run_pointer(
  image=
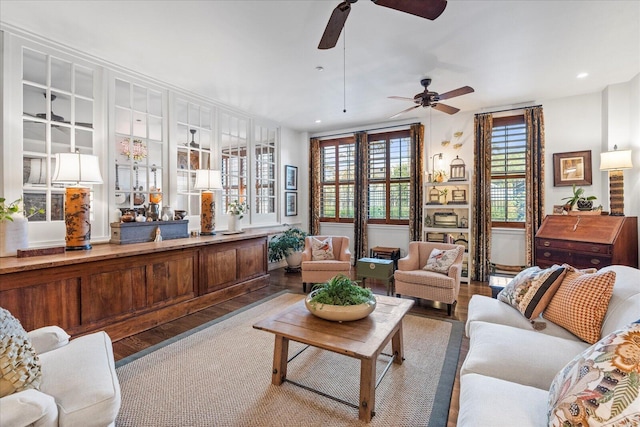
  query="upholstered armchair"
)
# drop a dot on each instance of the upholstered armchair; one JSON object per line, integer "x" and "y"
{"x": 79, "y": 386}
{"x": 315, "y": 269}
{"x": 412, "y": 279}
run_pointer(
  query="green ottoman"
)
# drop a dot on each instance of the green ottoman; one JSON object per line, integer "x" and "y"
{"x": 376, "y": 268}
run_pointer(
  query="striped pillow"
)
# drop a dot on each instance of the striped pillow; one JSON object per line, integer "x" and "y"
{"x": 581, "y": 302}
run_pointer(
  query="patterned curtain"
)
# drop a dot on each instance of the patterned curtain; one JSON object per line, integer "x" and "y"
{"x": 534, "y": 120}
{"x": 315, "y": 192}
{"x": 415, "y": 190}
{"x": 481, "y": 214}
{"x": 361, "y": 211}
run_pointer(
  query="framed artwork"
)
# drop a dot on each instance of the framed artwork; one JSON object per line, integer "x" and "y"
{"x": 182, "y": 160}
{"x": 290, "y": 203}
{"x": 290, "y": 177}
{"x": 570, "y": 168}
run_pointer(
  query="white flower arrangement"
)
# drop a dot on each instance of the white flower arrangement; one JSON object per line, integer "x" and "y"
{"x": 237, "y": 208}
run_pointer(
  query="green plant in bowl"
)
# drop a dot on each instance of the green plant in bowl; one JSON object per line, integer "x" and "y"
{"x": 340, "y": 299}
{"x": 282, "y": 245}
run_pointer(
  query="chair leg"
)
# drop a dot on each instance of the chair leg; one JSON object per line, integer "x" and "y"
{"x": 449, "y": 309}
{"x": 304, "y": 287}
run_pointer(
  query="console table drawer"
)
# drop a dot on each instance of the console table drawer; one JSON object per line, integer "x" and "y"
{"x": 594, "y": 248}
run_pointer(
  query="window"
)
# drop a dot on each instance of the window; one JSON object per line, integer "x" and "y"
{"x": 337, "y": 164}
{"x": 265, "y": 174}
{"x": 389, "y": 184}
{"x": 233, "y": 146}
{"x": 508, "y": 163}
{"x": 389, "y": 162}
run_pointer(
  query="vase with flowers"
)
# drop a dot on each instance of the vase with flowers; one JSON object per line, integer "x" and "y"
{"x": 13, "y": 226}
{"x": 236, "y": 211}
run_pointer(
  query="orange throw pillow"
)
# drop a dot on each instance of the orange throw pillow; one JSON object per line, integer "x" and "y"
{"x": 581, "y": 302}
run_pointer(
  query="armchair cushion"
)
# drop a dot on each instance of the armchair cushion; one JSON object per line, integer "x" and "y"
{"x": 440, "y": 260}
{"x": 19, "y": 365}
{"x": 48, "y": 338}
{"x": 321, "y": 249}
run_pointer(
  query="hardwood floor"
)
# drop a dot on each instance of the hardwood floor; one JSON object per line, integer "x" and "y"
{"x": 281, "y": 280}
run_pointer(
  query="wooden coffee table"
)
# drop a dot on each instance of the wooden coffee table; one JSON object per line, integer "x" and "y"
{"x": 361, "y": 339}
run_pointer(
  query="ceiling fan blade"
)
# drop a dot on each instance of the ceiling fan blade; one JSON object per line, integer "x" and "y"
{"x": 456, "y": 92}
{"x": 445, "y": 108}
{"x": 402, "y": 98}
{"x": 429, "y": 9}
{"x": 334, "y": 26}
{"x": 404, "y": 111}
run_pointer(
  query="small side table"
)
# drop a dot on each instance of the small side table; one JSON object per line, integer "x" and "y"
{"x": 376, "y": 268}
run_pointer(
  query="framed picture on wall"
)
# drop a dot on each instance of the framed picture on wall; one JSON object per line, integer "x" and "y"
{"x": 570, "y": 168}
{"x": 290, "y": 203}
{"x": 290, "y": 177}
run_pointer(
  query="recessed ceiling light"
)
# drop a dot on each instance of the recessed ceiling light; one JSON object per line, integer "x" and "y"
{"x": 318, "y": 121}
{"x": 319, "y": 68}
{"x": 582, "y": 75}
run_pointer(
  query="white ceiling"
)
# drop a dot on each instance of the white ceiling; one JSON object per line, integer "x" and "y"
{"x": 261, "y": 56}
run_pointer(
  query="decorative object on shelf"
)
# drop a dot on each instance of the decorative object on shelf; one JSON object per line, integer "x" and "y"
{"x": 437, "y": 156}
{"x": 236, "y": 211}
{"x": 457, "y": 170}
{"x": 179, "y": 214}
{"x": 558, "y": 209}
{"x": 434, "y": 197}
{"x": 579, "y": 200}
{"x": 461, "y": 240}
{"x": 166, "y": 213}
{"x": 573, "y": 167}
{"x": 287, "y": 245}
{"x": 79, "y": 170}
{"x": 437, "y": 237}
{"x": 445, "y": 219}
{"x": 208, "y": 181}
{"x": 443, "y": 194}
{"x": 155, "y": 194}
{"x": 458, "y": 197}
{"x": 158, "y": 237}
{"x": 13, "y": 226}
{"x": 152, "y": 212}
{"x": 138, "y": 196}
{"x": 145, "y": 231}
{"x": 464, "y": 222}
{"x": 340, "y": 299}
{"x": 290, "y": 177}
{"x": 615, "y": 162}
{"x": 136, "y": 151}
{"x": 427, "y": 221}
{"x": 439, "y": 176}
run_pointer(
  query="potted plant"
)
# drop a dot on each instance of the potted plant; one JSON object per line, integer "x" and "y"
{"x": 288, "y": 245}
{"x": 236, "y": 211}
{"x": 13, "y": 226}
{"x": 340, "y": 299}
{"x": 579, "y": 200}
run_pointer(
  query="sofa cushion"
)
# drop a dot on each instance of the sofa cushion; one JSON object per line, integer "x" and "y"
{"x": 522, "y": 356}
{"x": 581, "y": 301}
{"x": 485, "y": 309}
{"x": 492, "y": 402}
{"x": 532, "y": 289}
{"x": 19, "y": 365}
{"x": 82, "y": 377}
{"x": 424, "y": 277}
{"x": 440, "y": 260}
{"x": 625, "y": 300}
{"x": 321, "y": 249}
{"x": 600, "y": 385}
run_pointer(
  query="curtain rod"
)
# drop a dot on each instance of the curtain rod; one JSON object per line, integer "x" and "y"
{"x": 365, "y": 130}
{"x": 509, "y": 109}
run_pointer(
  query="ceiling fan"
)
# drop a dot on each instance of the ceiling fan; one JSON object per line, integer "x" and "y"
{"x": 54, "y": 116}
{"x": 431, "y": 99}
{"x": 429, "y": 9}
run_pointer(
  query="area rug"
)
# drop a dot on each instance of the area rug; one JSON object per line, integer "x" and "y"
{"x": 220, "y": 375}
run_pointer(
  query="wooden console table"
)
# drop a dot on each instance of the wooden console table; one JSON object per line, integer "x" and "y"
{"x": 126, "y": 289}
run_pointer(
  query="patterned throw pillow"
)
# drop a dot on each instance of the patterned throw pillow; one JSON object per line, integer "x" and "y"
{"x": 600, "y": 386}
{"x": 532, "y": 289}
{"x": 581, "y": 302}
{"x": 440, "y": 260}
{"x": 321, "y": 249}
{"x": 19, "y": 365}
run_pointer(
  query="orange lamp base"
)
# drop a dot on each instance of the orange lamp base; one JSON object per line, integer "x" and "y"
{"x": 77, "y": 205}
{"x": 207, "y": 214}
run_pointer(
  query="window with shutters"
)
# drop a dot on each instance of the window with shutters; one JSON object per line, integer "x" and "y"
{"x": 508, "y": 179}
{"x": 337, "y": 163}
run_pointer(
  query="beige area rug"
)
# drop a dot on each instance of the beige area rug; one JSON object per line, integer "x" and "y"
{"x": 220, "y": 375}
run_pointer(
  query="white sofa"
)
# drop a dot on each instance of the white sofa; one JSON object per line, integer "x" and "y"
{"x": 507, "y": 373}
{"x": 79, "y": 385}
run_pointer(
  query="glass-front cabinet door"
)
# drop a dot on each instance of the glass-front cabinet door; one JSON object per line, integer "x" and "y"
{"x": 139, "y": 146}
{"x": 57, "y": 117}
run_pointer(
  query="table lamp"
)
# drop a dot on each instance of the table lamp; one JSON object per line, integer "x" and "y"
{"x": 207, "y": 181}
{"x": 78, "y": 170}
{"x": 614, "y": 162}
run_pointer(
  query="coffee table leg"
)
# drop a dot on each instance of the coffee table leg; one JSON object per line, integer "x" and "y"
{"x": 280, "y": 356}
{"x": 397, "y": 345}
{"x": 367, "y": 389}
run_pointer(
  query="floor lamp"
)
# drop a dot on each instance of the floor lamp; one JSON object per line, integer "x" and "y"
{"x": 614, "y": 162}
{"x": 78, "y": 170}
{"x": 208, "y": 181}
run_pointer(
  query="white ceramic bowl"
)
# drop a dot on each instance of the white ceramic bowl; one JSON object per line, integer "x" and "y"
{"x": 340, "y": 313}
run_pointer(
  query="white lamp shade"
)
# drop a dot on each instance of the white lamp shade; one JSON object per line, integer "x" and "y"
{"x": 615, "y": 160}
{"x": 208, "y": 180}
{"x": 76, "y": 168}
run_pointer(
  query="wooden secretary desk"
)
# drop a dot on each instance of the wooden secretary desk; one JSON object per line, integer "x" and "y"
{"x": 585, "y": 241}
